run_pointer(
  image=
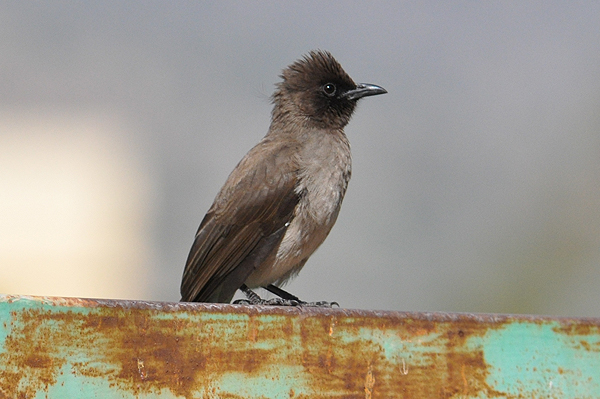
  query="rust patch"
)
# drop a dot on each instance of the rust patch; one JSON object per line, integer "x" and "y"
{"x": 573, "y": 328}
{"x": 134, "y": 351}
{"x": 579, "y": 331}
{"x": 467, "y": 370}
{"x": 38, "y": 360}
{"x": 360, "y": 367}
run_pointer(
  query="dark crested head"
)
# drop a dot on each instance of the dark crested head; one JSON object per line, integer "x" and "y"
{"x": 317, "y": 89}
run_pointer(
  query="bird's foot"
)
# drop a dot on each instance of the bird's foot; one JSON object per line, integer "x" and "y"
{"x": 267, "y": 302}
{"x": 319, "y": 304}
{"x": 285, "y": 302}
{"x": 286, "y": 295}
{"x": 252, "y": 298}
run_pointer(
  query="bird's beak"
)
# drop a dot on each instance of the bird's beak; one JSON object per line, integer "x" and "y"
{"x": 363, "y": 90}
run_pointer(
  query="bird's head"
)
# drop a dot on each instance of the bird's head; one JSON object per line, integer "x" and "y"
{"x": 317, "y": 89}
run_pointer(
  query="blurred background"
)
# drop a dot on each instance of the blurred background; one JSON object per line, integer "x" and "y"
{"x": 476, "y": 179}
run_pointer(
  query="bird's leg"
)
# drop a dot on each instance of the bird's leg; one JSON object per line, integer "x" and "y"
{"x": 286, "y": 299}
{"x": 290, "y": 297}
{"x": 254, "y": 299}
{"x": 281, "y": 293}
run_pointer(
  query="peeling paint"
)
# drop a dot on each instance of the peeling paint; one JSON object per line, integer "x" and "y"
{"x": 135, "y": 349}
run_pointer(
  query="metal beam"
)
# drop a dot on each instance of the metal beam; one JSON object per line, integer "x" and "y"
{"x": 82, "y": 348}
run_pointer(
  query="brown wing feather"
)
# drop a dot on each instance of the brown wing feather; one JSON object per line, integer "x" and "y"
{"x": 244, "y": 224}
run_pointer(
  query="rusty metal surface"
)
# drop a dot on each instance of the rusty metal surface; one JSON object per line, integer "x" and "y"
{"x": 82, "y": 348}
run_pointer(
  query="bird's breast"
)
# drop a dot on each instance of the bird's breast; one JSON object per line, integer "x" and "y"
{"x": 324, "y": 171}
{"x": 324, "y": 166}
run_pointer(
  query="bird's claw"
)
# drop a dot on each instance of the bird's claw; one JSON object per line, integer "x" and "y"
{"x": 252, "y": 298}
{"x": 285, "y": 302}
{"x": 320, "y": 304}
{"x": 267, "y": 302}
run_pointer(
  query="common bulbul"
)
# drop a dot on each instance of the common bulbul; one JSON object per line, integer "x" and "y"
{"x": 282, "y": 199}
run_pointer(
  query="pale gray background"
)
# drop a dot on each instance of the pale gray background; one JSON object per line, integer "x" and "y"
{"x": 476, "y": 179}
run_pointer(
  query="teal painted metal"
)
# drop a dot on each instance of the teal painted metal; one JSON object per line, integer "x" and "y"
{"x": 81, "y": 348}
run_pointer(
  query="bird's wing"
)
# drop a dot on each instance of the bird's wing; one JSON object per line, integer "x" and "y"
{"x": 244, "y": 224}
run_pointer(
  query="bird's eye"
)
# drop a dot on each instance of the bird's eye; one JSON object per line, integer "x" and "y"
{"x": 329, "y": 89}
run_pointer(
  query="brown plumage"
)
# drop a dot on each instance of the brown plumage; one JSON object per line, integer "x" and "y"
{"x": 282, "y": 199}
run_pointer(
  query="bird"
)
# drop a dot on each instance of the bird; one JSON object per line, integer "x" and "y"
{"x": 282, "y": 199}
